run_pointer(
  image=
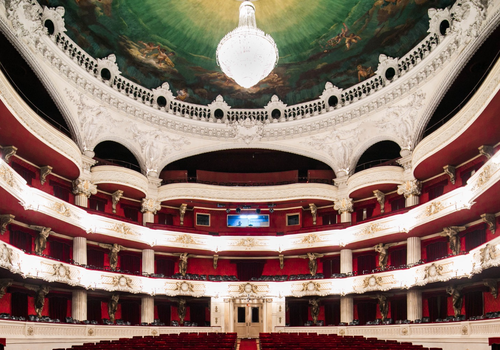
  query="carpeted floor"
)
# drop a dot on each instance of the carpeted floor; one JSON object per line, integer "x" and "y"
{"x": 248, "y": 344}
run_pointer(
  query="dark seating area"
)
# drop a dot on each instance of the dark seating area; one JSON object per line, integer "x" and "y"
{"x": 313, "y": 341}
{"x": 194, "y": 341}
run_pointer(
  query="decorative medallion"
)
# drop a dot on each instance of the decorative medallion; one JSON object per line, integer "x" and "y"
{"x": 309, "y": 239}
{"x": 61, "y": 271}
{"x": 91, "y": 332}
{"x": 61, "y": 209}
{"x": 122, "y": 229}
{"x": 433, "y": 208}
{"x": 483, "y": 177}
{"x": 432, "y": 271}
{"x": 185, "y": 239}
{"x": 370, "y": 229}
{"x": 30, "y": 330}
{"x": 122, "y": 282}
{"x": 247, "y": 288}
{"x": 184, "y": 287}
{"x": 310, "y": 287}
{"x": 372, "y": 281}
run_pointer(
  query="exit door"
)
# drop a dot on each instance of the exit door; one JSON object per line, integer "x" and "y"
{"x": 248, "y": 320}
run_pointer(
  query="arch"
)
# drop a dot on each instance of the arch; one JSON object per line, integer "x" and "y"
{"x": 377, "y": 153}
{"x": 118, "y": 154}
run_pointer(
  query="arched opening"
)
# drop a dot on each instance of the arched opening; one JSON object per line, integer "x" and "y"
{"x": 380, "y": 154}
{"x": 113, "y": 153}
{"x": 29, "y": 87}
{"x": 248, "y": 161}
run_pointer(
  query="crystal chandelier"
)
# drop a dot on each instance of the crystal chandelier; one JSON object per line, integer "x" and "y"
{"x": 247, "y": 54}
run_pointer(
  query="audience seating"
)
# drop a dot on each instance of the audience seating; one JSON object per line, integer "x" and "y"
{"x": 313, "y": 341}
{"x": 193, "y": 341}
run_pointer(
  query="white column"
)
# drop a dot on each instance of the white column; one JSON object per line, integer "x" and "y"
{"x": 80, "y": 250}
{"x": 345, "y": 261}
{"x": 148, "y": 261}
{"x": 412, "y": 200}
{"x": 147, "y": 309}
{"x": 414, "y": 305}
{"x": 81, "y": 200}
{"x": 345, "y": 217}
{"x": 413, "y": 250}
{"x": 346, "y": 309}
{"x": 148, "y": 217}
{"x": 79, "y": 305}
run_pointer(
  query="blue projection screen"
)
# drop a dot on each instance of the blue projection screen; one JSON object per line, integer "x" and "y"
{"x": 248, "y": 220}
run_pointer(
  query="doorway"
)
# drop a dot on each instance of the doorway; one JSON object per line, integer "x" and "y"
{"x": 248, "y": 319}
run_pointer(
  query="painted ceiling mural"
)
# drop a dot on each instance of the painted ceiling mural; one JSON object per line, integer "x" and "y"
{"x": 175, "y": 42}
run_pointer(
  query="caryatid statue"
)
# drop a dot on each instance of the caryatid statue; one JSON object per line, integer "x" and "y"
{"x": 313, "y": 264}
{"x": 113, "y": 307}
{"x": 114, "y": 249}
{"x": 183, "y": 263}
{"x": 41, "y": 239}
{"x": 40, "y": 293}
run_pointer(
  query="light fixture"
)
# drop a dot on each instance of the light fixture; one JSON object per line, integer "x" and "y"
{"x": 247, "y": 54}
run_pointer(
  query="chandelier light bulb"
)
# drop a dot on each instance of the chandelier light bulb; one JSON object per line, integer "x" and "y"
{"x": 247, "y": 54}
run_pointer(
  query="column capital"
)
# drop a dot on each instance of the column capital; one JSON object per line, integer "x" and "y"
{"x": 410, "y": 188}
{"x": 84, "y": 187}
{"x": 151, "y": 205}
{"x": 343, "y": 205}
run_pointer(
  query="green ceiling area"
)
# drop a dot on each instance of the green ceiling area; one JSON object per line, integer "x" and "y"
{"x": 175, "y": 41}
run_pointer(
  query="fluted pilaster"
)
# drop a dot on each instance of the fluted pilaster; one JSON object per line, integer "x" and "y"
{"x": 79, "y": 305}
{"x": 413, "y": 250}
{"x": 346, "y": 309}
{"x": 147, "y": 309}
{"x": 148, "y": 261}
{"x": 80, "y": 250}
{"x": 414, "y": 304}
{"x": 345, "y": 261}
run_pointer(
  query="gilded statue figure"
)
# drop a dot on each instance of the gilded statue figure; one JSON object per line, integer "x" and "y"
{"x": 113, "y": 307}
{"x": 383, "y": 306}
{"x": 114, "y": 249}
{"x": 313, "y": 264}
{"x": 40, "y": 293}
{"x": 456, "y": 295}
{"x": 41, "y": 240}
{"x": 314, "y": 310}
{"x": 183, "y": 263}
{"x": 182, "y": 310}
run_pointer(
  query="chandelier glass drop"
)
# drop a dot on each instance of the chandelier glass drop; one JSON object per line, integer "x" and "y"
{"x": 247, "y": 54}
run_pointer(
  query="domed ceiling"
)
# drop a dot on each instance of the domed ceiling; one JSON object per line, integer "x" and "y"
{"x": 318, "y": 41}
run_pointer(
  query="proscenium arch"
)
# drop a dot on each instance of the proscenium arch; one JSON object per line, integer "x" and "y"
{"x": 117, "y": 147}
{"x": 222, "y": 147}
{"x": 363, "y": 147}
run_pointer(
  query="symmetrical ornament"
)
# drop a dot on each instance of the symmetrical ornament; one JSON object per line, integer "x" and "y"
{"x": 433, "y": 208}
{"x": 44, "y": 172}
{"x": 450, "y": 170}
{"x": 248, "y": 130}
{"x": 311, "y": 286}
{"x": 372, "y": 281}
{"x": 247, "y": 288}
{"x": 122, "y": 229}
{"x": 380, "y": 199}
{"x": 151, "y": 205}
{"x": 122, "y": 281}
{"x": 84, "y": 187}
{"x": 61, "y": 209}
{"x": 61, "y": 271}
{"x": 184, "y": 287}
{"x": 343, "y": 205}
{"x": 432, "y": 271}
{"x": 491, "y": 220}
{"x": 410, "y": 188}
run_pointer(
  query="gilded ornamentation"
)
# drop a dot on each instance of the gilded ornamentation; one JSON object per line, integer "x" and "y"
{"x": 465, "y": 330}
{"x": 457, "y": 298}
{"x": 183, "y": 263}
{"x": 310, "y": 287}
{"x": 313, "y": 264}
{"x": 410, "y": 188}
{"x": 372, "y": 281}
{"x": 84, "y": 187}
{"x": 483, "y": 177}
{"x": 184, "y": 287}
{"x": 115, "y": 198}
{"x": 491, "y": 220}
{"x": 452, "y": 233}
{"x": 215, "y": 261}
{"x": 282, "y": 261}
{"x": 4, "y": 221}
{"x": 433, "y": 208}
{"x": 91, "y": 332}
{"x": 450, "y": 170}
{"x": 343, "y": 205}
{"x": 247, "y": 242}
{"x": 44, "y": 172}
{"x": 182, "y": 212}
{"x": 342, "y": 331}
{"x": 122, "y": 282}
{"x": 380, "y": 199}
{"x": 314, "y": 211}
{"x": 492, "y": 284}
{"x": 61, "y": 209}
{"x": 7, "y": 176}
{"x": 114, "y": 249}
{"x": 370, "y": 229}
{"x": 381, "y": 248}
{"x": 314, "y": 310}
{"x": 404, "y": 331}
{"x": 247, "y": 288}
{"x": 61, "y": 271}
{"x": 8, "y": 152}
{"x": 154, "y": 332}
{"x": 151, "y": 205}
{"x": 432, "y": 271}
{"x": 30, "y": 330}
{"x": 40, "y": 294}
{"x": 487, "y": 253}
{"x": 122, "y": 229}
{"x": 309, "y": 239}
{"x": 41, "y": 238}
{"x": 184, "y": 239}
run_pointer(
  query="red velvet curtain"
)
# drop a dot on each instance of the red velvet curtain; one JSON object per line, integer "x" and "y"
{"x": 130, "y": 263}
{"x": 475, "y": 238}
{"x": 94, "y": 310}
{"x": 164, "y": 313}
{"x": 298, "y": 313}
{"x": 398, "y": 257}
{"x": 19, "y": 304}
{"x": 332, "y": 313}
{"x": 165, "y": 266}
{"x": 436, "y": 250}
{"x": 367, "y": 311}
{"x": 474, "y": 303}
{"x": 21, "y": 240}
{"x": 58, "y": 308}
{"x": 366, "y": 263}
{"x": 59, "y": 250}
{"x": 438, "y": 307}
{"x": 331, "y": 266}
{"x": 95, "y": 257}
{"x": 247, "y": 270}
{"x": 197, "y": 313}
{"x": 131, "y": 312}
{"x": 398, "y": 309}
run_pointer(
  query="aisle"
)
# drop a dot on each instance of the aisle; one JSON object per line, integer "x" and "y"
{"x": 248, "y": 344}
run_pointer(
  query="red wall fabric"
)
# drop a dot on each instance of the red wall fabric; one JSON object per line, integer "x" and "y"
{"x": 5, "y": 303}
